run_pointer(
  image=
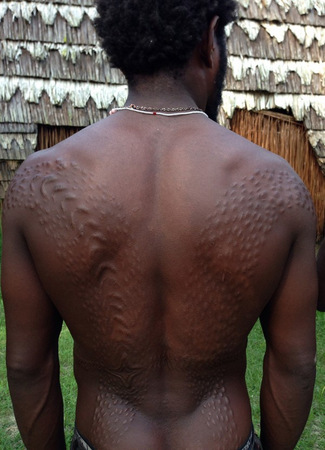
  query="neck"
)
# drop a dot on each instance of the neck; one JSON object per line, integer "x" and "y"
{"x": 162, "y": 91}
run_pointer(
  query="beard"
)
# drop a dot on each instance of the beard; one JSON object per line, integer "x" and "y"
{"x": 215, "y": 100}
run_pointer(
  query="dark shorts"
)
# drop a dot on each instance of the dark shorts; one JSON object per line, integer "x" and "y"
{"x": 80, "y": 443}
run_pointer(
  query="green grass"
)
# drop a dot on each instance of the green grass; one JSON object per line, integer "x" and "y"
{"x": 69, "y": 387}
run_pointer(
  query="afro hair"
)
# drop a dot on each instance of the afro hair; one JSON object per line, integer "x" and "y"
{"x": 142, "y": 37}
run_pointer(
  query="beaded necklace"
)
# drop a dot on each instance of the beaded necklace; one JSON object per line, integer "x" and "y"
{"x": 169, "y": 112}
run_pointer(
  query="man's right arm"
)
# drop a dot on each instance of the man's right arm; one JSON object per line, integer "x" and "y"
{"x": 289, "y": 327}
{"x": 321, "y": 277}
{"x": 33, "y": 326}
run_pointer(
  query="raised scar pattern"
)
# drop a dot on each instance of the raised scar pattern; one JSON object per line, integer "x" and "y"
{"x": 239, "y": 225}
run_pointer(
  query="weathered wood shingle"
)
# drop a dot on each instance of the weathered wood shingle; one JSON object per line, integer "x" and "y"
{"x": 311, "y": 12}
{"x": 277, "y": 61}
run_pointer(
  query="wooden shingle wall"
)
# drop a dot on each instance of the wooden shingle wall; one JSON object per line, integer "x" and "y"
{"x": 52, "y": 73}
{"x": 277, "y": 62}
{"x": 51, "y": 65}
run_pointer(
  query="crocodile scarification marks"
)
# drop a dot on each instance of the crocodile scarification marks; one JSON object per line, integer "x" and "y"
{"x": 218, "y": 416}
{"x": 95, "y": 240}
{"x": 95, "y": 245}
{"x": 254, "y": 208}
{"x": 227, "y": 254}
{"x": 112, "y": 418}
{"x": 229, "y": 250}
{"x": 214, "y": 412}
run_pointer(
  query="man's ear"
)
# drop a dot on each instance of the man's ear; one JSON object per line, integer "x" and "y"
{"x": 208, "y": 43}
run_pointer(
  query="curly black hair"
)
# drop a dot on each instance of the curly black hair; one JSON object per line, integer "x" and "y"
{"x": 147, "y": 36}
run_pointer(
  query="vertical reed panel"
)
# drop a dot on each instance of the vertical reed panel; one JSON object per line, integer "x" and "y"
{"x": 48, "y": 136}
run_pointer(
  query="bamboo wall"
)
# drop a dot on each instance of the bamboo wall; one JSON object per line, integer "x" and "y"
{"x": 50, "y": 136}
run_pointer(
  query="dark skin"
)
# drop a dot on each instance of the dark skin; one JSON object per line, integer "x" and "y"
{"x": 160, "y": 242}
{"x": 321, "y": 276}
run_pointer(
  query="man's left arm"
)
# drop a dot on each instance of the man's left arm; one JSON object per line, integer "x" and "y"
{"x": 33, "y": 326}
{"x": 321, "y": 277}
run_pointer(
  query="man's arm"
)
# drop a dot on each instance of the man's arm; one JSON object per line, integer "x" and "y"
{"x": 33, "y": 326}
{"x": 289, "y": 365}
{"x": 321, "y": 276}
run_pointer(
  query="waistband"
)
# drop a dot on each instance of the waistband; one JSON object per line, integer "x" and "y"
{"x": 252, "y": 443}
{"x": 79, "y": 443}
{"x": 249, "y": 445}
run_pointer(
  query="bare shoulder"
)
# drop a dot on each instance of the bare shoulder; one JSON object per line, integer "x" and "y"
{"x": 272, "y": 176}
{"x": 258, "y": 180}
{"x": 249, "y": 154}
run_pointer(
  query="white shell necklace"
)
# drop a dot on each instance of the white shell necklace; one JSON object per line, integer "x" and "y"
{"x": 168, "y": 112}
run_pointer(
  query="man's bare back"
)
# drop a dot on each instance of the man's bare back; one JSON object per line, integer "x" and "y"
{"x": 153, "y": 242}
{"x": 160, "y": 241}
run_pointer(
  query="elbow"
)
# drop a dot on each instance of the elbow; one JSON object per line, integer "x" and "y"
{"x": 307, "y": 376}
{"x": 20, "y": 371}
{"x": 297, "y": 369}
{"x": 304, "y": 373}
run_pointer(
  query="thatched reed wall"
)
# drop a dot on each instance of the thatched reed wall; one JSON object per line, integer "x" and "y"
{"x": 284, "y": 136}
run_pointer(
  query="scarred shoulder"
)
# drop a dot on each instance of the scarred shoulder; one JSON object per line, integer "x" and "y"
{"x": 67, "y": 160}
{"x": 266, "y": 176}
